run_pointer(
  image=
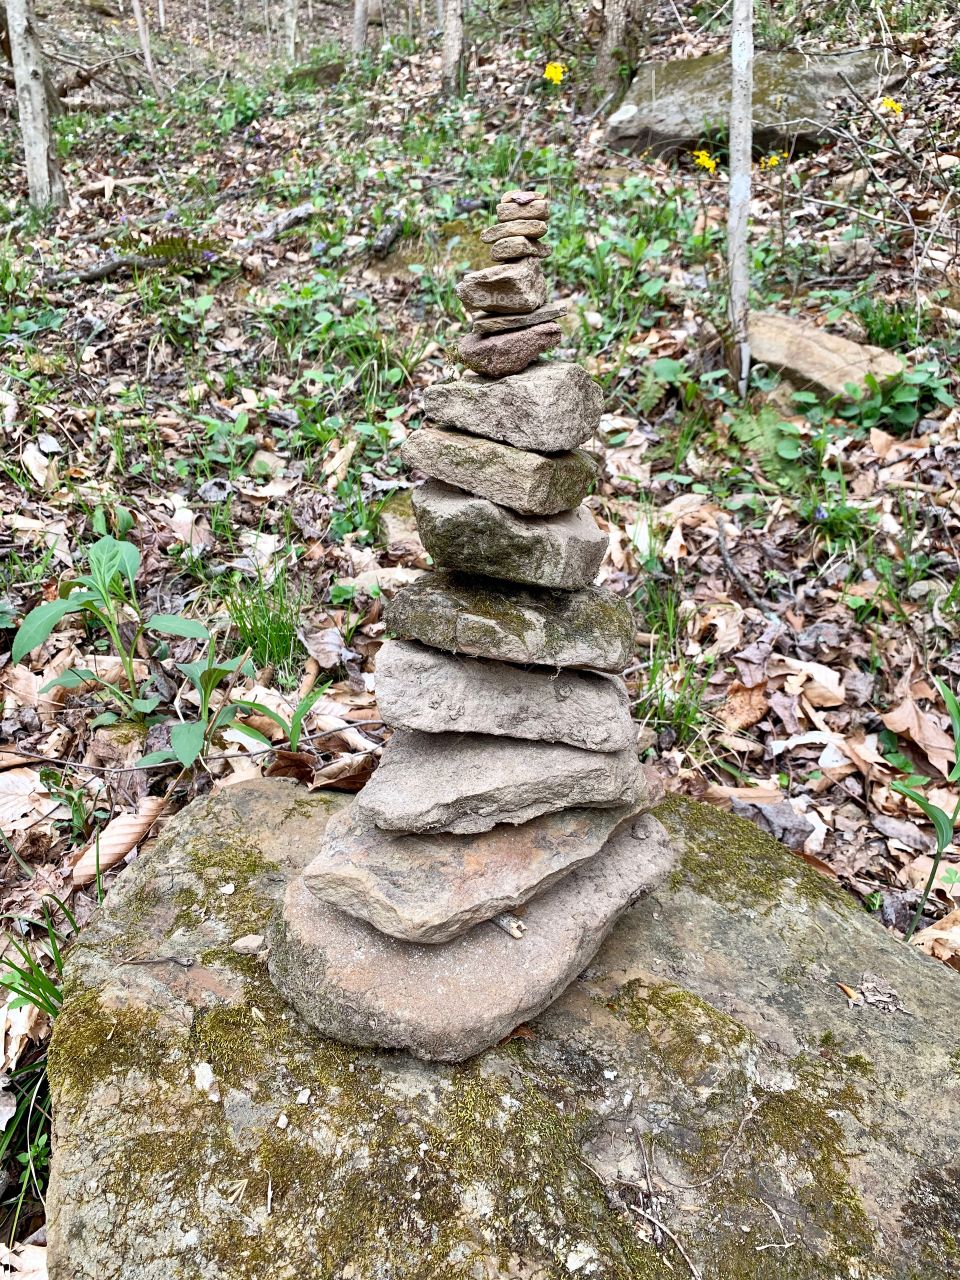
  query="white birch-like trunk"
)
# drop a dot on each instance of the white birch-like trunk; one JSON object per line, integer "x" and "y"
{"x": 290, "y": 18}
{"x": 143, "y": 31}
{"x": 451, "y": 72}
{"x": 359, "y": 41}
{"x": 161, "y": 15}
{"x": 741, "y": 142}
{"x": 44, "y": 179}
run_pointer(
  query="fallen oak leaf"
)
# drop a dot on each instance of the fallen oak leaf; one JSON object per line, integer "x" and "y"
{"x": 942, "y": 940}
{"x": 117, "y": 838}
{"x": 924, "y": 729}
{"x": 744, "y": 706}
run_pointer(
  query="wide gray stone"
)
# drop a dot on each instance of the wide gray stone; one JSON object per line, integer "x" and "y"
{"x": 499, "y": 354}
{"x": 531, "y": 227}
{"x": 507, "y": 287}
{"x": 469, "y": 782}
{"x": 671, "y": 106}
{"x": 809, "y": 357}
{"x": 483, "y": 323}
{"x": 589, "y": 628}
{"x": 549, "y": 407}
{"x": 534, "y": 483}
{"x": 511, "y": 248}
{"x": 451, "y": 1001}
{"x": 465, "y": 532}
{"x": 707, "y": 1045}
{"x": 435, "y": 692}
{"x": 433, "y": 888}
{"x": 512, "y": 210}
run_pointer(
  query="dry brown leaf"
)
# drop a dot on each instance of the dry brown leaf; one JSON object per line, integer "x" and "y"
{"x": 346, "y": 773}
{"x": 942, "y": 940}
{"x": 326, "y": 646}
{"x": 820, "y": 684}
{"x": 116, "y": 840}
{"x": 743, "y": 706}
{"x": 762, "y": 793}
{"x": 24, "y": 800}
{"x": 26, "y": 1261}
{"x": 917, "y": 873}
{"x": 923, "y": 728}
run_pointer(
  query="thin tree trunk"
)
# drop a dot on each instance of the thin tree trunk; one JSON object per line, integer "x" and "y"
{"x": 741, "y": 143}
{"x": 161, "y": 15}
{"x": 290, "y": 16}
{"x": 266, "y": 26}
{"x": 143, "y": 31}
{"x": 359, "y": 41}
{"x": 620, "y": 41}
{"x": 451, "y": 74}
{"x": 44, "y": 179}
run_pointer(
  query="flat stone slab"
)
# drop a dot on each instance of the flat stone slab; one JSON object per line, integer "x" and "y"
{"x": 436, "y": 692}
{"x": 533, "y": 483}
{"x": 510, "y": 248}
{"x": 671, "y": 106}
{"x": 533, "y": 228}
{"x": 511, "y": 210}
{"x": 432, "y": 888}
{"x": 506, "y": 287}
{"x": 549, "y": 407}
{"x": 707, "y": 1042}
{"x": 499, "y": 354}
{"x": 483, "y": 323}
{"x": 465, "y": 532}
{"x": 812, "y": 358}
{"x": 470, "y": 782}
{"x": 588, "y": 628}
{"x": 452, "y": 1001}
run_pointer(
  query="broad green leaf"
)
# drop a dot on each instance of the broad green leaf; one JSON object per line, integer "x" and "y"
{"x": 953, "y": 707}
{"x": 252, "y": 733}
{"x": 108, "y": 557}
{"x": 169, "y": 624}
{"x": 186, "y": 741}
{"x": 155, "y": 757}
{"x": 73, "y": 679}
{"x": 108, "y": 717}
{"x": 145, "y": 705}
{"x": 942, "y": 824}
{"x": 261, "y": 710}
{"x": 39, "y": 622}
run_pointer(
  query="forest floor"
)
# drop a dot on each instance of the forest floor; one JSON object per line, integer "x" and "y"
{"x": 209, "y": 360}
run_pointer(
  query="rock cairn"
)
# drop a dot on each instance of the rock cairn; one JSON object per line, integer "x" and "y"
{"x": 505, "y": 829}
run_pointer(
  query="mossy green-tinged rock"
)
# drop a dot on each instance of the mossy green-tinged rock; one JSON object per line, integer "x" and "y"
{"x": 489, "y": 619}
{"x": 671, "y": 106}
{"x": 706, "y": 1057}
{"x": 465, "y": 532}
{"x": 516, "y": 478}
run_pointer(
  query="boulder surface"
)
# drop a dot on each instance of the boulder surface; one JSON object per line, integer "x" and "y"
{"x": 705, "y": 1071}
{"x": 671, "y": 106}
{"x": 809, "y": 357}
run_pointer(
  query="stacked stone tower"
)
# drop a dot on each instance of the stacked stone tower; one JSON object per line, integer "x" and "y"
{"x": 503, "y": 833}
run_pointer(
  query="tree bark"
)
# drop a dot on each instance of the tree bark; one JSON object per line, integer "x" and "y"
{"x": 741, "y": 143}
{"x": 620, "y": 41}
{"x": 451, "y": 74}
{"x": 44, "y": 179}
{"x": 290, "y": 16}
{"x": 143, "y": 31}
{"x": 359, "y": 40}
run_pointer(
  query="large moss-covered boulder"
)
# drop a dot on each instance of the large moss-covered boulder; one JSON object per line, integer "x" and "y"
{"x": 704, "y": 1100}
{"x": 674, "y": 105}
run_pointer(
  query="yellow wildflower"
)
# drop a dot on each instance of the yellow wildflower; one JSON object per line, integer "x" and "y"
{"x": 771, "y": 161}
{"x": 704, "y": 160}
{"x": 892, "y": 104}
{"x": 554, "y": 72}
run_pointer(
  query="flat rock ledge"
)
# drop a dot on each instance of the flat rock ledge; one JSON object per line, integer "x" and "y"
{"x": 706, "y": 1054}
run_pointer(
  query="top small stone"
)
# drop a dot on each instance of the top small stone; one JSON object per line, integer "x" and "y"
{"x": 521, "y": 197}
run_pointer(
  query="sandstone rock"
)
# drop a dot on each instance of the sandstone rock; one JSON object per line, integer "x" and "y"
{"x": 501, "y": 324}
{"x": 497, "y": 354}
{"x": 436, "y": 692}
{"x": 513, "y": 247}
{"x": 589, "y": 628}
{"x": 709, "y": 1026}
{"x": 515, "y": 478}
{"x": 518, "y": 227}
{"x": 507, "y": 287}
{"x": 549, "y": 407}
{"x": 510, "y": 210}
{"x": 670, "y": 106}
{"x": 812, "y": 358}
{"x": 433, "y": 888}
{"x": 465, "y": 783}
{"x": 465, "y": 532}
{"x": 451, "y": 1001}
{"x": 522, "y": 196}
